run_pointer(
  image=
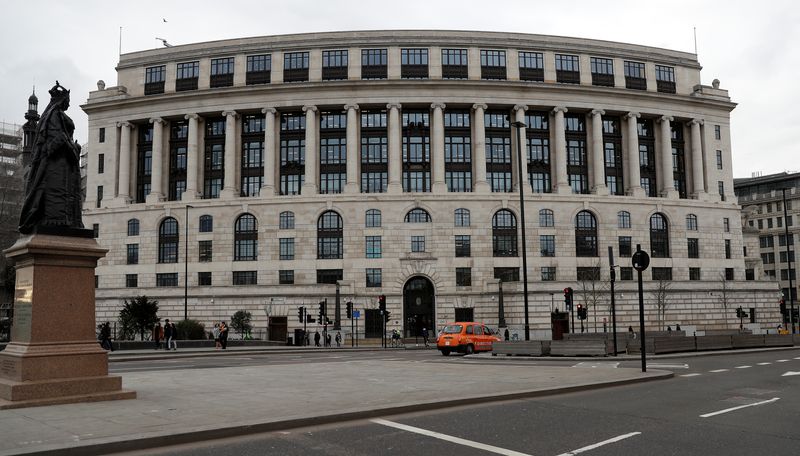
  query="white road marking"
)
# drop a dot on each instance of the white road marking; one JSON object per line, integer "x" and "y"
{"x": 743, "y": 367}
{"x": 720, "y": 412}
{"x": 764, "y": 364}
{"x": 599, "y": 444}
{"x": 449, "y": 438}
{"x": 798, "y": 357}
{"x": 125, "y": 369}
{"x": 790, "y": 373}
{"x": 782, "y": 361}
{"x": 719, "y": 370}
{"x": 669, "y": 366}
{"x": 690, "y": 375}
{"x": 595, "y": 364}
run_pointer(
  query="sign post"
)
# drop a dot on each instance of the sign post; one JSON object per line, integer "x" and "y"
{"x": 613, "y": 276}
{"x": 640, "y": 262}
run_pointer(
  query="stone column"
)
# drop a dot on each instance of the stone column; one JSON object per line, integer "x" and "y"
{"x": 192, "y": 159}
{"x": 229, "y": 187}
{"x": 395, "y": 149}
{"x": 634, "y": 175}
{"x": 268, "y": 182}
{"x": 312, "y": 146}
{"x": 561, "y": 180}
{"x": 519, "y": 116}
{"x": 156, "y": 190}
{"x": 479, "y": 149}
{"x": 353, "y": 143}
{"x": 437, "y": 148}
{"x": 667, "y": 176}
{"x": 124, "y": 178}
{"x": 698, "y": 181}
{"x": 598, "y": 153}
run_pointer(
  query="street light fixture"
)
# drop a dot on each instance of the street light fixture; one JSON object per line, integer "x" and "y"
{"x": 519, "y": 126}
{"x": 186, "y": 267}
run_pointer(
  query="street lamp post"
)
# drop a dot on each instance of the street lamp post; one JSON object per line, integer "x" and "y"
{"x": 788, "y": 259}
{"x": 186, "y": 267}
{"x": 519, "y": 126}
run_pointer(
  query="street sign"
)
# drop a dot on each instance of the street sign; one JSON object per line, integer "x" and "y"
{"x": 640, "y": 260}
{"x": 356, "y": 314}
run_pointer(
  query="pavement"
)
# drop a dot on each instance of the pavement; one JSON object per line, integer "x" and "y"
{"x": 180, "y": 406}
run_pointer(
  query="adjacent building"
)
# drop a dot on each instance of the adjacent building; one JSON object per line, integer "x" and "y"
{"x": 386, "y": 163}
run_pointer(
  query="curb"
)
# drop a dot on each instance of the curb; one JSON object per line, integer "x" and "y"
{"x": 121, "y": 358}
{"x": 201, "y": 435}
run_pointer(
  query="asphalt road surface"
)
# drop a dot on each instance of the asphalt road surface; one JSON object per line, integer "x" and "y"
{"x": 732, "y": 404}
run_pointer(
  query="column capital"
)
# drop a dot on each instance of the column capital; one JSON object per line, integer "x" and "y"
{"x": 397, "y": 106}
{"x": 230, "y": 113}
{"x": 124, "y": 124}
{"x": 155, "y": 120}
{"x": 269, "y": 110}
{"x": 632, "y": 115}
{"x": 477, "y": 106}
{"x": 561, "y": 109}
{"x": 311, "y": 108}
{"x": 666, "y": 119}
{"x": 696, "y": 122}
{"x": 191, "y": 116}
{"x": 438, "y": 104}
{"x": 598, "y": 112}
{"x": 350, "y": 106}
{"x": 520, "y": 107}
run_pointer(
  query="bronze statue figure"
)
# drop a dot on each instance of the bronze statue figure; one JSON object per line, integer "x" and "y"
{"x": 53, "y": 187}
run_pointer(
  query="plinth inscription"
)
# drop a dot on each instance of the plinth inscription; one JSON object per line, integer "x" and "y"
{"x": 23, "y": 306}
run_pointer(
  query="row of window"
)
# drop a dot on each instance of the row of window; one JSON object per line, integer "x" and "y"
{"x": 374, "y": 276}
{"x": 778, "y": 222}
{"x": 413, "y": 65}
{"x": 768, "y": 240}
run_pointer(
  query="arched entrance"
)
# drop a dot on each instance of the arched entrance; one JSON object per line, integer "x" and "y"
{"x": 419, "y": 306}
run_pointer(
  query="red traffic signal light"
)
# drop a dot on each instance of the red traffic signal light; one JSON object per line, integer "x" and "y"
{"x": 382, "y": 302}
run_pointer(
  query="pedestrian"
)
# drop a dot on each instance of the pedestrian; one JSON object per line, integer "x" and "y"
{"x": 631, "y": 334}
{"x": 105, "y": 337}
{"x": 223, "y": 335}
{"x": 338, "y": 340}
{"x": 669, "y": 329}
{"x": 306, "y": 342}
{"x": 425, "y": 336}
{"x": 167, "y": 333}
{"x": 678, "y": 327}
{"x": 158, "y": 334}
{"x": 174, "y": 336}
{"x": 328, "y": 340}
{"x": 505, "y": 335}
{"x": 215, "y": 332}
{"x": 316, "y": 338}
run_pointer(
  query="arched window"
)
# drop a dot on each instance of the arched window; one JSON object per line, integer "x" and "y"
{"x": 287, "y": 220}
{"x": 133, "y": 227}
{"x": 546, "y": 218}
{"x": 504, "y": 234}
{"x": 245, "y": 238}
{"x": 659, "y": 236}
{"x": 329, "y": 235}
{"x": 373, "y": 218}
{"x": 417, "y": 216}
{"x": 623, "y": 219}
{"x": 206, "y": 224}
{"x": 168, "y": 241}
{"x": 585, "y": 234}
{"x": 462, "y": 217}
{"x": 691, "y": 222}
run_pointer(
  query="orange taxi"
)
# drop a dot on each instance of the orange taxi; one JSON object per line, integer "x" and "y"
{"x": 465, "y": 337}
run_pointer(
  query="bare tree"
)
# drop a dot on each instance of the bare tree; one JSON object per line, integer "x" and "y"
{"x": 660, "y": 296}
{"x": 593, "y": 290}
{"x": 724, "y": 298}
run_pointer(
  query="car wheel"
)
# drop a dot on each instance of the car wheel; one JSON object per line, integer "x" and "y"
{"x": 469, "y": 350}
{"x": 445, "y": 352}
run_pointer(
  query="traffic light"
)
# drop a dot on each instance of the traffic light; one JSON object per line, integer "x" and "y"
{"x": 321, "y": 310}
{"x": 739, "y": 313}
{"x": 582, "y": 312}
{"x": 349, "y": 306}
{"x": 386, "y": 316}
{"x": 300, "y": 312}
{"x": 568, "y": 298}
{"x": 382, "y": 302}
{"x": 783, "y": 308}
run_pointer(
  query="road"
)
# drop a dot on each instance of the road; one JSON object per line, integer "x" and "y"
{"x": 732, "y": 404}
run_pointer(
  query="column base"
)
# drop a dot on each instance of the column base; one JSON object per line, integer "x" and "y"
{"x": 636, "y": 192}
{"x": 154, "y": 198}
{"x": 563, "y": 189}
{"x": 119, "y": 201}
{"x": 700, "y": 196}
{"x": 351, "y": 188}
{"x": 190, "y": 196}
{"x": 439, "y": 187}
{"x": 600, "y": 190}
{"x": 394, "y": 188}
{"x": 482, "y": 187}
{"x": 308, "y": 189}
{"x": 267, "y": 190}
{"x": 670, "y": 194}
{"x": 228, "y": 193}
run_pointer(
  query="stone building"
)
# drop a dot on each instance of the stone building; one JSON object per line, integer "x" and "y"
{"x": 385, "y": 163}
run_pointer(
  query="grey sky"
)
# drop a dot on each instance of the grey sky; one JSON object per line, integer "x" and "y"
{"x": 751, "y": 47}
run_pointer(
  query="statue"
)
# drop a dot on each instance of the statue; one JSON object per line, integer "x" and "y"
{"x": 53, "y": 188}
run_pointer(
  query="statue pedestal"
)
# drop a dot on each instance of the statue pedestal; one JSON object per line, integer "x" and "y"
{"x": 54, "y": 356}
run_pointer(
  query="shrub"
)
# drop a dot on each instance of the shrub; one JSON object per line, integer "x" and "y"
{"x": 190, "y": 330}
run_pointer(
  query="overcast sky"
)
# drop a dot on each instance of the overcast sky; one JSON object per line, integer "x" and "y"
{"x": 750, "y": 46}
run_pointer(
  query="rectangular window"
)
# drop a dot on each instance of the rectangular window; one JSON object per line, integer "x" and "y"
{"x": 726, "y": 224}
{"x": 531, "y": 66}
{"x": 374, "y": 64}
{"x": 547, "y": 245}
{"x": 286, "y": 248}
{"x": 169, "y": 279}
{"x": 781, "y": 239}
{"x": 589, "y": 274}
{"x": 721, "y": 188}
{"x": 662, "y": 273}
{"x": 221, "y": 72}
{"x": 187, "y": 76}
{"x": 783, "y": 256}
{"x": 131, "y": 280}
{"x": 213, "y": 160}
{"x": 414, "y": 63}
{"x": 373, "y": 246}
{"x": 729, "y": 275}
{"x": 635, "y": 76}
{"x": 95, "y": 230}
{"x": 454, "y": 64}
{"x": 292, "y": 152}
{"x": 204, "y": 279}
{"x": 719, "y": 159}
{"x": 329, "y": 276}
{"x": 717, "y": 132}
{"x": 493, "y": 64}
{"x": 245, "y": 277}
{"x": 133, "y": 254}
{"x": 665, "y": 79}
{"x": 463, "y": 277}
{"x": 507, "y": 274}
{"x": 259, "y": 68}
{"x": 417, "y": 243}
{"x": 768, "y": 258}
{"x": 463, "y": 246}
{"x": 99, "y": 201}
{"x": 749, "y": 274}
{"x": 285, "y": 277}
{"x": 206, "y": 251}
{"x": 625, "y": 246}
{"x": 374, "y": 278}
{"x": 548, "y": 273}
{"x": 602, "y": 71}
{"x": 568, "y": 69}
{"x": 101, "y": 136}
{"x": 626, "y": 273}
{"x": 334, "y": 65}
{"x": 101, "y": 159}
{"x": 694, "y": 273}
{"x": 693, "y": 247}
{"x": 295, "y": 66}
{"x": 154, "y": 78}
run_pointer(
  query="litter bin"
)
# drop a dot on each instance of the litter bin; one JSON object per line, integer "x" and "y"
{"x": 289, "y": 340}
{"x": 298, "y": 337}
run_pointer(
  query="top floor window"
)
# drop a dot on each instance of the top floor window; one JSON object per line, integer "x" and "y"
{"x": 259, "y": 68}
{"x": 295, "y": 66}
{"x": 568, "y": 69}
{"x": 222, "y": 72}
{"x": 374, "y": 64}
{"x": 454, "y": 64}
{"x": 334, "y": 65}
{"x": 531, "y": 66}
{"x": 665, "y": 79}
{"x": 602, "y": 71}
{"x": 493, "y": 64}
{"x": 154, "y": 78}
{"x": 717, "y": 132}
{"x": 187, "y": 75}
{"x": 417, "y": 216}
{"x": 635, "y": 76}
{"x": 413, "y": 63}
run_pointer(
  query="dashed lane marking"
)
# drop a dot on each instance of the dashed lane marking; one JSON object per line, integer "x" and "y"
{"x": 743, "y": 367}
{"x": 449, "y": 438}
{"x": 599, "y": 444}
{"x": 764, "y": 364}
{"x": 720, "y": 412}
{"x": 597, "y": 364}
{"x": 690, "y": 375}
{"x": 668, "y": 366}
{"x": 719, "y": 370}
{"x": 782, "y": 361}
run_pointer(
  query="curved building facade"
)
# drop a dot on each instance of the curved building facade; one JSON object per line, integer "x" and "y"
{"x": 386, "y": 163}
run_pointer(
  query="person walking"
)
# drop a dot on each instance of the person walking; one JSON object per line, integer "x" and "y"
{"x": 105, "y": 337}
{"x": 328, "y": 340}
{"x": 338, "y": 340}
{"x": 425, "y": 336}
{"x": 215, "y": 332}
{"x": 223, "y": 335}
{"x": 316, "y": 338}
{"x": 169, "y": 335}
{"x": 158, "y": 334}
{"x": 631, "y": 334}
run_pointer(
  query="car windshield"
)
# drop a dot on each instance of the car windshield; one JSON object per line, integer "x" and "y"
{"x": 452, "y": 329}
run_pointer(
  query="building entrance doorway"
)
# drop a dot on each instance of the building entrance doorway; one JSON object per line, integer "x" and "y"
{"x": 277, "y": 328}
{"x": 419, "y": 308}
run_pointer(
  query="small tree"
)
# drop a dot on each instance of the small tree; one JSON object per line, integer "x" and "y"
{"x": 724, "y": 298}
{"x": 138, "y": 315}
{"x": 593, "y": 290}
{"x": 660, "y": 296}
{"x": 240, "y": 322}
{"x": 190, "y": 330}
